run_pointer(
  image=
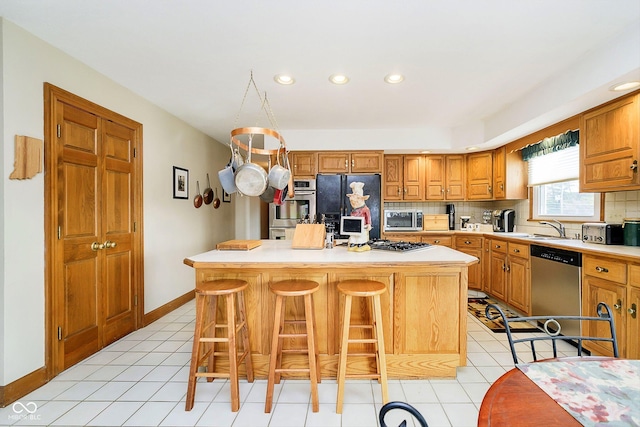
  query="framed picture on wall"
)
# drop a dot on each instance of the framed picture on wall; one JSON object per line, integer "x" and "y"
{"x": 180, "y": 183}
{"x": 226, "y": 197}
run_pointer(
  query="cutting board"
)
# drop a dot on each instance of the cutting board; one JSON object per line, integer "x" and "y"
{"x": 238, "y": 245}
{"x": 309, "y": 236}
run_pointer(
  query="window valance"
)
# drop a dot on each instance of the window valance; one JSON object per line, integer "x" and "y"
{"x": 550, "y": 145}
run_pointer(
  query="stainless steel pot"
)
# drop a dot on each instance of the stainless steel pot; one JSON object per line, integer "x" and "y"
{"x": 251, "y": 179}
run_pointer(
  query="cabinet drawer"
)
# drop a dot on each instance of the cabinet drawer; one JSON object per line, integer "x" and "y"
{"x": 468, "y": 242}
{"x": 519, "y": 249}
{"x": 605, "y": 268}
{"x": 437, "y": 240}
{"x": 499, "y": 246}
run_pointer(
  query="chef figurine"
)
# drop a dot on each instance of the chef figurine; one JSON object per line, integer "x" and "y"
{"x": 359, "y": 242}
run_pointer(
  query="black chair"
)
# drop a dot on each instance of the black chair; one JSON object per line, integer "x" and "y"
{"x": 553, "y": 330}
{"x": 405, "y": 407}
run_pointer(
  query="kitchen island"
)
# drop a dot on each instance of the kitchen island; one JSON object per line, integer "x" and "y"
{"x": 424, "y": 310}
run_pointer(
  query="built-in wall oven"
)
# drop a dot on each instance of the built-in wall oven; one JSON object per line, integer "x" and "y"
{"x": 283, "y": 218}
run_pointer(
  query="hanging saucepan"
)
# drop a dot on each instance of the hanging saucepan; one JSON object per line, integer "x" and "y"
{"x": 280, "y": 195}
{"x": 207, "y": 195}
{"x": 279, "y": 175}
{"x": 197, "y": 201}
{"x": 251, "y": 179}
{"x": 226, "y": 175}
{"x": 216, "y": 200}
{"x": 267, "y": 196}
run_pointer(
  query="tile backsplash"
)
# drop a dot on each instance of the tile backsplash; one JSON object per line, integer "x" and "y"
{"x": 618, "y": 205}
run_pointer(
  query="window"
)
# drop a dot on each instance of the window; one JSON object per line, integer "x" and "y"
{"x": 554, "y": 181}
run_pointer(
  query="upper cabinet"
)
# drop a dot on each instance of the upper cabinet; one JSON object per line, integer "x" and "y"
{"x": 304, "y": 164}
{"x": 610, "y": 146}
{"x": 480, "y": 176}
{"x": 403, "y": 177}
{"x": 350, "y": 162}
{"x": 509, "y": 175}
{"x": 445, "y": 177}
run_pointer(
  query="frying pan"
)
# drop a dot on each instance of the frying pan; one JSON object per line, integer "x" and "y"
{"x": 197, "y": 201}
{"x": 208, "y": 193}
{"x": 216, "y": 200}
{"x": 251, "y": 179}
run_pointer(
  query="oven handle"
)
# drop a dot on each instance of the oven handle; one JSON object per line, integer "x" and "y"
{"x": 304, "y": 193}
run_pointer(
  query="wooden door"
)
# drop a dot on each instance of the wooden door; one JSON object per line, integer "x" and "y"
{"x": 499, "y": 172}
{"x": 413, "y": 178}
{"x": 455, "y": 175}
{"x": 94, "y": 252}
{"x": 498, "y": 284}
{"x": 519, "y": 288}
{"x": 304, "y": 164}
{"x": 393, "y": 177}
{"x": 595, "y": 290}
{"x": 333, "y": 162}
{"x": 366, "y": 162}
{"x": 435, "y": 177}
{"x": 480, "y": 176}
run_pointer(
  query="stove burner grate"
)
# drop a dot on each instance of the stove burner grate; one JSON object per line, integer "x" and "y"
{"x": 400, "y": 246}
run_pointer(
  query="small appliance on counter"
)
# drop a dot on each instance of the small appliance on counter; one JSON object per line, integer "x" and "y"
{"x": 631, "y": 227}
{"x": 402, "y": 220}
{"x": 504, "y": 220}
{"x": 451, "y": 211}
{"x": 602, "y": 233}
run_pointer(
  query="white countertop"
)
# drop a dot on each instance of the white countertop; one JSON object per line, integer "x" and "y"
{"x": 627, "y": 252}
{"x": 280, "y": 252}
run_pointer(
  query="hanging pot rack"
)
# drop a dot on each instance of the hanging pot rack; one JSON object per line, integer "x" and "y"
{"x": 257, "y": 131}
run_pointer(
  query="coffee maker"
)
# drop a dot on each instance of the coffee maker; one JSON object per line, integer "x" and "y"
{"x": 504, "y": 220}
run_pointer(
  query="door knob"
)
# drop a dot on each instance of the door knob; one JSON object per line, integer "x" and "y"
{"x": 95, "y": 246}
{"x": 109, "y": 244}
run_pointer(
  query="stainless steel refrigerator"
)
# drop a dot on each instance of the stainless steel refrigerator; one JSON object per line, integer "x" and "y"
{"x": 332, "y": 200}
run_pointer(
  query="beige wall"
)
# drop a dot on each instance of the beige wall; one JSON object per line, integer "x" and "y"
{"x": 173, "y": 229}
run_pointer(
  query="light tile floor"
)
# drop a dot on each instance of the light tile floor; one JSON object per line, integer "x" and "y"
{"x": 141, "y": 380}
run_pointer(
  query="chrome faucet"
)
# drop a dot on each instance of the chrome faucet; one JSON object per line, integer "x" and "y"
{"x": 559, "y": 228}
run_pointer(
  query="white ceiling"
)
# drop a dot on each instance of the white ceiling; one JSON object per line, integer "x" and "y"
{"x": 477, "y": 71}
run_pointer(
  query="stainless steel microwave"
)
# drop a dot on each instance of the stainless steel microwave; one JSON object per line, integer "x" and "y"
{"x": 402, "y": 220}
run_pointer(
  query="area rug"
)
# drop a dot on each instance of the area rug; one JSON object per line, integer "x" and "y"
{"x": 477, "y": 306}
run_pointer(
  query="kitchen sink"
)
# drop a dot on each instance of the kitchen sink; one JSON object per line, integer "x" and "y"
{"x": 544, "y": 237}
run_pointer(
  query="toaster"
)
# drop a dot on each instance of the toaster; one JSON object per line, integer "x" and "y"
{"x": 602, "y": 233}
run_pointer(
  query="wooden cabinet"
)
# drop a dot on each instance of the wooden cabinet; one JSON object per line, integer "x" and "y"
{"x": 486, "y": 265}
{"x": 480, "y": 176}
{"x": 509, "y": 175}
{"x": 350, "y": 162}
{"x": 617, "y": 284}
{"x": 610, "y": 146}
{"x": 445, "y": 177}
{"x": 304, "y": 164}
{"x": 510, "y": 279}
{"x": 472, "y": 245}
{"x": 403, "y": 177}
{"x": 405, "y": 237}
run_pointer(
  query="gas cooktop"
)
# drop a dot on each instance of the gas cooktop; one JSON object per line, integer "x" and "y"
{"x": 400, "y": 246}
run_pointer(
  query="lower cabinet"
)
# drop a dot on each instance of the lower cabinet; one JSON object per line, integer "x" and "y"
{"x": 472, "y": 245}
{"x": 510, "y": 278}
{"x": 617, "y": 284}
{"x": 442, "y": 240}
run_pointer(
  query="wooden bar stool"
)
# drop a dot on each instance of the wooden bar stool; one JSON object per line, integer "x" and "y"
{"x": 204, "y": 338}
{"x": 369, "y": 289}
{"x": 282, "y": 290}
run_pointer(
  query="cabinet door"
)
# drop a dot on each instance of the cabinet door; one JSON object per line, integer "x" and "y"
{"x": 455, "y": 176}
{"x": 438, "y": 240}
{"x": 498, "y": 286}
{"x": 413, "y": 178}
{"x": 486, "y": 266}
{"x": 633, "y": 325}
{"x": 480, "y": 176}
{"x": 499, "y": 172}
{"x": 370, "y": 162}
{"x": 393, "y": 177}
{"x": 610, "y": 147}
{"x": 595, "y": 290}
{"x": 304, "y": 164}
{"x": 333, "y": 162}
{"x": 519, "y": 289}
{"x": 435, "y": 177}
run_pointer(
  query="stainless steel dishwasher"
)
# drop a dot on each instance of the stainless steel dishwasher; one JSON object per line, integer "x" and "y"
{"x": 555, "y": 285}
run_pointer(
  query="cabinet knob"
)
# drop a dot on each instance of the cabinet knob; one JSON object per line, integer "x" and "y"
{"x": 602, "y": 269}
{"x": 95, "y": 246}
{"x": 490, "y": 189}
{"x": 353, "y": 163}
{"x": 633, "y": 311}
{"x": 436, "y": 241}
{"x": 516, "y": 250}
{"x": 618, "y": 305}
{"x": 346, "y": 164}
{"x": 466, "y": 242}
{"x": 634, "y": 165}
{"x": 498, "y": 246}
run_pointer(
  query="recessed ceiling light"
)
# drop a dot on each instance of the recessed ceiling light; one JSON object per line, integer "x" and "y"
{"x": 284, "y": 79}
{"x": 338, "y": 79}
{"x": 394, "y": 78}
{"x": 425, "y": 152}
{"x": 618, "y": 87}
{"x": 471, "y": 148}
